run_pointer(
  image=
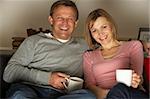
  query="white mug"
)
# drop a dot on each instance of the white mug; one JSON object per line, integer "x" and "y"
{"x": 124, "y": 76}
{"x": 73, "y": 83}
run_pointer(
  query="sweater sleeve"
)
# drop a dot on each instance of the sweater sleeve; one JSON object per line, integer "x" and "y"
{"x": 136, "y": 56}
{"x": 88, "y": 70}
{"x": 18, "y": 69}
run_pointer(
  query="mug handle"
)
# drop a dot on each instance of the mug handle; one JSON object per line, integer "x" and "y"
{"x": 67, "y": 79}
{"x": 64, "y": 85}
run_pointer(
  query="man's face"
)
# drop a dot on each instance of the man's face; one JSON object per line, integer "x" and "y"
{"x": 63, "y": 22}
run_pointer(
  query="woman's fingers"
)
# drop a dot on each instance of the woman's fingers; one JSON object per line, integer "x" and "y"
{"x": 135, "y": 80}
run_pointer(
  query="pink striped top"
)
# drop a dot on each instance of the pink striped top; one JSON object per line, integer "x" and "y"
{"x": 101, "y": 72}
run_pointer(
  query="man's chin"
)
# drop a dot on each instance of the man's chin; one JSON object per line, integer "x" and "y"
{"x": 64, "y": 37}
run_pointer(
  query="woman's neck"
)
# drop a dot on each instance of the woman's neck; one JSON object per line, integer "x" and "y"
{"x": 110, "y": 45}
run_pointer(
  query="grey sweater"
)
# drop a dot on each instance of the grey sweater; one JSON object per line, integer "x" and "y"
{"x": 39, "y": 55}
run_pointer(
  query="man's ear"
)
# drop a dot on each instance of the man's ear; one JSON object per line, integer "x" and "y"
{"x": 50, "y": 20}
{"x": 76, "y": 23}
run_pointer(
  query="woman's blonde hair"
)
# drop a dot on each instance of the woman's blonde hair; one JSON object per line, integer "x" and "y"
{"x": 89, "y": 23}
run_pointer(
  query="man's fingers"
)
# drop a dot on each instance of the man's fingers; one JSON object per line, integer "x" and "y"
{"x": 63, "y": 75}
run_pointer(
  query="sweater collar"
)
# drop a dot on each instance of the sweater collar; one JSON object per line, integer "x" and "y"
{"x": 49, "y": 35}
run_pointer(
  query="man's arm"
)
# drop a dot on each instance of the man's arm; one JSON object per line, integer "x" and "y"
{"x": 18, "y": 67}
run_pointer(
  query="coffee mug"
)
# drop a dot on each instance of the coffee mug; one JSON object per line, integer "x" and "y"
{"x": 124, "y": 76}
{"x": 73, "y": 83}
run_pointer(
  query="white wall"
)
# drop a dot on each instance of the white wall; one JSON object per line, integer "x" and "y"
{"x": 18, "y": 15}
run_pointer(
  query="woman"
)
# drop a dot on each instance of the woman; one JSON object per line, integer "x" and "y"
{"x": 108, "y": 54}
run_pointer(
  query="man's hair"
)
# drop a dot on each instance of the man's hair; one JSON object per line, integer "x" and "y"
{"x": 67, "y": 3}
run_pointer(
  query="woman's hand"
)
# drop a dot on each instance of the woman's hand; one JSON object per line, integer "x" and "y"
{"x": 136, "y": 80}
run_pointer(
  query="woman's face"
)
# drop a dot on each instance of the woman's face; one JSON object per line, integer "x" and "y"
{"x": 102, "y": 31}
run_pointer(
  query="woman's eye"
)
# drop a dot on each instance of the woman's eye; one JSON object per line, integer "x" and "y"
{"x": 93, "y": 30}
{"x": 104, "y": 26}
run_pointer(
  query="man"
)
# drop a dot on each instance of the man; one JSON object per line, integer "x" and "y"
{"x": 40, "y": 65}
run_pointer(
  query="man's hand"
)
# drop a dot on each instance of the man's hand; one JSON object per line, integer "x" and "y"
{"x": 57, "y": 79}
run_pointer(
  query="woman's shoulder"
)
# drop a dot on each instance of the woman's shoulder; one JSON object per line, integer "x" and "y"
{"x": 133, "y": 44}
{"x": 91, "y": 52}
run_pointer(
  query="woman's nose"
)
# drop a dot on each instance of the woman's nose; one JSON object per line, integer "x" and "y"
{"x": 100, "y": 32}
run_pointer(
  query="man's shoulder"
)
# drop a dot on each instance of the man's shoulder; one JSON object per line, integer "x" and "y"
{"x": 80, "y": 39}
{"x": 36, "y": 37}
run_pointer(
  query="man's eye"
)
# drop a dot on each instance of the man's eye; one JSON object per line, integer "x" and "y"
{"x": 59, "y": 18}
{"x": 71, "y": 19}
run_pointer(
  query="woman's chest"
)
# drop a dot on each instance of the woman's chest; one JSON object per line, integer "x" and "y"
{"x": 101, "y": 65}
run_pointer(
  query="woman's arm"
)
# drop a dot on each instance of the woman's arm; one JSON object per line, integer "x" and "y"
{"x": 136, "y": 61}
{"x": 137, "y": 57}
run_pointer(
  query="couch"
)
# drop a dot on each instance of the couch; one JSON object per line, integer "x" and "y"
{"x": 4, "y": 58}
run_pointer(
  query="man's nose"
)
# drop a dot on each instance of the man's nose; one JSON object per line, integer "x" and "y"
{"x": 65, "y": 20}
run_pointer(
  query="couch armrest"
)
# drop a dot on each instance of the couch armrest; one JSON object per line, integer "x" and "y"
{"x": 4, "y": 58}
